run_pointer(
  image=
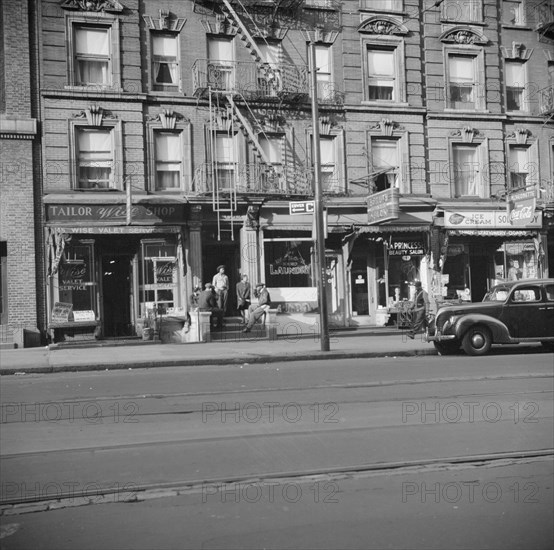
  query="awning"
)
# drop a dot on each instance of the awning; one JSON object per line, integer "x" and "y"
{"x": 503, "y": 233}
{"x": 394, "y": 228}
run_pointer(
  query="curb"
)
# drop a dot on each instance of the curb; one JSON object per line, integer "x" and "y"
{"x": 250, "y": 360}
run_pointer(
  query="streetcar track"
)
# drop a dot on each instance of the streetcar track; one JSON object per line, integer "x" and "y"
{"x": 222, "y": 438}
{"x": 146, "y": 491}
{"x": 379, "y": 384}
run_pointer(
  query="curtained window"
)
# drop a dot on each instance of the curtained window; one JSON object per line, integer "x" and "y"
{"x": 95, "y": 159}
{"x": 329, "y": 172}
{"x": 461, "y": 83}
{"x": 381, "y": 72}
{"x": 466, "y": 170}
{"x": 384, "y": 155}
{"x": 518, "y": 168}
{"x": 515, "y": 85}
{"x": 165, "y": 61}
{"x": 220, "y": 65}
{"x": 462, "y": 10}
{"x": 168, "y": 153}
{"x": 225, "y": 161}
{"x": 92, "y": 56}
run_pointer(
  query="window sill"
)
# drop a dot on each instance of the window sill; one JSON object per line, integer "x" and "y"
{"x": 522, "y": 27}
{"x": 385, "y": 103}
{"x": 462, "y": 22}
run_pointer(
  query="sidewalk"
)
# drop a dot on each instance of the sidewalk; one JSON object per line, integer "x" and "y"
{"x": 362, "y": 343}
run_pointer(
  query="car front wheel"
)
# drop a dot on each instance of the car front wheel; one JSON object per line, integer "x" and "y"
{"x": 447, "y": 348}
{"x": 477, "y": 340}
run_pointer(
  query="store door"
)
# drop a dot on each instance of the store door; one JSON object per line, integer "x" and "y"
{"x": 335, "y": 305}
{"x": 117, "y": 295}
{"x": 216, "y": 254}
{"x": 359, "y": 286}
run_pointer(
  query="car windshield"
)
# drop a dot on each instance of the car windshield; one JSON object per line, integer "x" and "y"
{"x": 497, "y": 294}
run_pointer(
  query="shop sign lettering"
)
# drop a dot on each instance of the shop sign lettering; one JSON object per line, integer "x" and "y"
{"x": 154, "y": 213}
{"x": 164, "y": 272}
{"x": 522, "y": 208}
{"x": 488, "y": 219}
{"x": 406, "y": 248}
{"x": 383, "y": 206}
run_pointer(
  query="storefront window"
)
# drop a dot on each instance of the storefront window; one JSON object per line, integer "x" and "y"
{"x": 159, "y": 280}
{"x": 404, "y": 258}
{"x": 288, "y": 263}
{"x": 76, "y": 277}
{"x": 515, "y": 261}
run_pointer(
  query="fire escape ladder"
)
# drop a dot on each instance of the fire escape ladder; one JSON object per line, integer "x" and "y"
{"x": 249, "y": 43}
{"x": 221, "y": 203}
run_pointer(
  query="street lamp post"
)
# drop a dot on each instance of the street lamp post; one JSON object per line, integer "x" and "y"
{"x": 318, "y": 209}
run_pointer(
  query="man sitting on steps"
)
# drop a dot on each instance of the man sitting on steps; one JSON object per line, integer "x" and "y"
{"x": 255, "y": 311}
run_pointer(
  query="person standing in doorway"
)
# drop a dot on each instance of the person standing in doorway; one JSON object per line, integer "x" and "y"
{"x": 420, "y": 310}
{"x": 220, "y": 283}
{"x": 243, "y": 298}
{"x": 255, "y": 311}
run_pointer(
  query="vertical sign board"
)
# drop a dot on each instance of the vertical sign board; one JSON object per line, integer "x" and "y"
{"x": 383, "y": 206}
{"x": 521, "y": 208}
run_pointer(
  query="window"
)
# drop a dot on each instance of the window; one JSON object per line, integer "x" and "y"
{"x": 269, "y": 79}
{"x": 76, "y": 277}
{"x": 323, "y": 73}
{"x": 466, "y": 170}
{"x": 462, "y": 10}
{"x": 381, "y": 71}
{"x": 461, "y": 81}
{"x": 225, "y": 161}
{"x": 92, "y": 56}
{"x": 158, "y": 276}
{"x": 220, "y": 65}
{"x": 3, "y": 282}
{"x": 94, "y": 158}
{"x": 168, "y": 151}
{"x": 513, "y": 12}
{"x": 165, "y": 61}
{"x": 273, "y": 149}
{"x": 329, "y": 172}
{"x": 518, "y": 167}
{"x": 515, "y": 86}
{"x": 288, "y": 262}
{"x": 382, "y": 5}
{"x": 384, "y": 156}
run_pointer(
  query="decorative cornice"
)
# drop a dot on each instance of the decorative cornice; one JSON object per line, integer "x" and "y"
{"x": 467, "y": 133}
{"x": 463, "y": 35}
{"x": 110, "y": 6}
{"x": 320, "y": 36}
{"x": 518, "y": 51}
{"x": 221, "y": 25}
{"x": 520, "y": 135}
{"x": 387, "y": 126}
{"x": 95, "y": 115}
{"x": 164, "y": 22}
{"x": 273, "y": 33}
{"x": 382, "y": 25}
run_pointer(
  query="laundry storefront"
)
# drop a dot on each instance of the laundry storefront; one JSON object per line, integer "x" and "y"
{"x": 109, "y": 266}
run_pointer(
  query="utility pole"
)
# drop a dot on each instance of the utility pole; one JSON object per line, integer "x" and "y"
{"x": 318, "y": 209}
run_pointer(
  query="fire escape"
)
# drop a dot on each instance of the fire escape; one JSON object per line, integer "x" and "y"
{"x": 235, "y": 90}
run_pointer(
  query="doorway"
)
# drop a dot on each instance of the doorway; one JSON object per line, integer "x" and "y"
{"x": 117, "y": 295}
{"x": 215, "y": 254}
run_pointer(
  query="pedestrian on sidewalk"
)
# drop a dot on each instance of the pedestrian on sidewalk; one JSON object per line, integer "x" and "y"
{"x": 420, "y": 310}
{"x": 243, "y": 298}
{"x": 220, "y": 283}
{"x": 255, "y": 311}
{"x": 207, "y": 302}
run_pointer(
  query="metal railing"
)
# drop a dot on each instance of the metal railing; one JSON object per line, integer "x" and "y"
{"x": 546, "y": 100}
{"x": 251, "y": 80}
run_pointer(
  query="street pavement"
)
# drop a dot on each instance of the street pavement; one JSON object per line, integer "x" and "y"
{"x": 362, "y": 343}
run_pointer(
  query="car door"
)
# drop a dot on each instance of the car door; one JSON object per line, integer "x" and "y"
{"x": 525, "y": 313}
{"x": 548, "y": 308}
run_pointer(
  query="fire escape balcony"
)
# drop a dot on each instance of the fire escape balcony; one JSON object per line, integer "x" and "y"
{"x": 252, "y": 179}
{"x": 274, "y": 4}
{"x": 546, "y": 101}
{"x": 544, "y": 12}
{"x": 251, "y": 80}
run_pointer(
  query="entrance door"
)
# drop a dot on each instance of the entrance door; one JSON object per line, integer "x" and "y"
{"x": 480, "y": 265}
{"x": 116, "y": 287}
{"x": 359, "y": 285}
{"x": 215, "y": 254}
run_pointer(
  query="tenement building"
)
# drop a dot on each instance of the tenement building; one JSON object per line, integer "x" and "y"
{"x": 179, "y": 135}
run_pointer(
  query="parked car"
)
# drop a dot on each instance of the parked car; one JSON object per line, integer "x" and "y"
{"x": 510, "y": 313}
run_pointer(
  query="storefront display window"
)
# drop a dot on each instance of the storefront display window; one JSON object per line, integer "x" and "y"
{"x": 288, "y": 263}
{"x": 515, "y": 261}
{"x": 159, "y": 276}
{"x": 77, "y": 285}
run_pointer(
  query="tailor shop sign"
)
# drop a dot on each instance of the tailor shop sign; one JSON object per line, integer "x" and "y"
{"x": 114, "y": 213}
{"x": 488, "y": 219}
{"x": 383, "y": 206}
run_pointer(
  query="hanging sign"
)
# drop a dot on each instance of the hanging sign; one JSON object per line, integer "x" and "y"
{"x": 406, "y": 248}
{"x": 521, "y": 208}
{"x": 301, "y": 207}
{"x": 383, "y": 206}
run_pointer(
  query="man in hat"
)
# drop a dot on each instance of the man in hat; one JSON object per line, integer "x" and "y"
{"x": 255, "y": 311}
{"x": 221, "y": 286}
{"x": 207, "y": 302}
{"x": 420, "y": 310}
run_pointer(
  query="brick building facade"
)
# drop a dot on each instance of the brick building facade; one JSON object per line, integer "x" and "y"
{"x": 176, "y": 135}
{"x": 20, "y": 228}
